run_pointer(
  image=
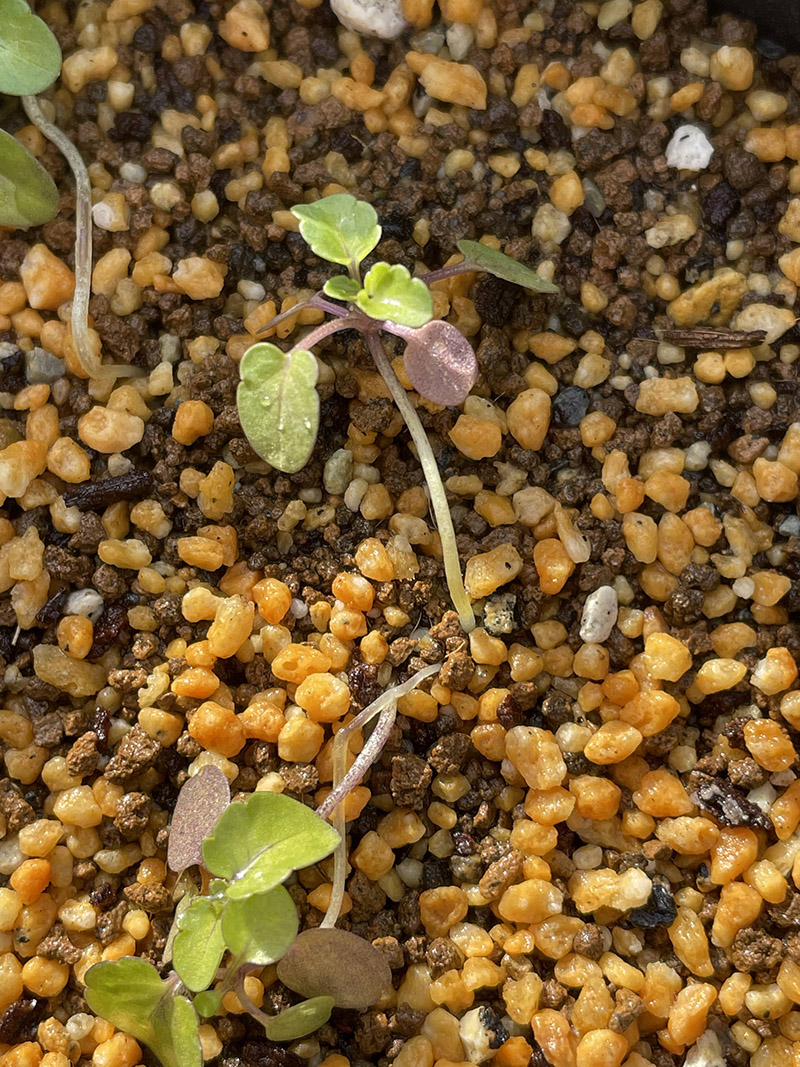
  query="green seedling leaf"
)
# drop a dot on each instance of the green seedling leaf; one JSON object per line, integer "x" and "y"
{"x": 299, "y": 1020}
{"x": 129, "y": 993}
{"x": 30, "y": 56}
{"x": 339, "y": 228}
{"x": 502, "y": 266}
{"x": 278, "y": 404}
{"x": 341, "y": 288}
{"x": 207, "y": 1003}
{"x": 181, "y": 908}
{"x": 28, "y": 196}
{"x": 391, "y": 293}
{"x": 200, "y": 803}
{"x": 175, "y": 1026}
{"x": 199, "y": 945}
{"x": 313, "y": 966}
{"x": 440, "y": 363}
{"x": 257, "y": 844}
{"x": 260, "y": 929}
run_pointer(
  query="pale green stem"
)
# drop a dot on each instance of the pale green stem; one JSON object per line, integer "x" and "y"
{"x": 386, "y": 707}
{"x": 83, "y": 248}
{"x": 441, "y": 509}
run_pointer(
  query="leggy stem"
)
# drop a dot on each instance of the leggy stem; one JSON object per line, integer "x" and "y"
{"x": 449, "y": 272}
{"x": 83, "y": 248}
{"x": 250, "y": 1007}
{"x": 441, "y": 509}
{"x": 316, "y": 301}
{"x": 320, "y": 333}
{"x": 386, "y": 707}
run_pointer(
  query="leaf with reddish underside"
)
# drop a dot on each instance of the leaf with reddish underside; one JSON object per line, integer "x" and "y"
{"x": 440, "y": 363}
{"x": 200, "y": 804}
{"x": 338, "y": 964}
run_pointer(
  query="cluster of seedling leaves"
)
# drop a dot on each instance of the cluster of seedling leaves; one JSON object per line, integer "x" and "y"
{"x": 277, "y": 397}
{"x": 30, "y": 60}
{"x": 247, "y": 850}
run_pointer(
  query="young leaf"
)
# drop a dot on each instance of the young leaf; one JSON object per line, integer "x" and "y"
{"x": 339, "y": 228}
{"x": 341, "y": 288}
{"x": 440, "y": 363}
{"x": 175, "y": 1029}
{"x": 391, "y": 293}
{"x": 313, "y": 967}
{"x": 200, "y": 803}
{"x": 207, "y": 1002}
{"x": 257, "y": 844}
{"x": 129, "y": 993}
{"x": 199, "y": 945}
{"x": 278, "y": 404}
{"x": 260, "y": 929}
{"x": 30, "y": 56}
{"x": 181, "y": 908}
{"x": 502, "y": 266}
{"x": 299, "y": 1020}
{"x": 28, "y": 196}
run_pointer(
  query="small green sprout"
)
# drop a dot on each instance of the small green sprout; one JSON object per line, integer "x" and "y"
{"x": 30, "y": 59}
{"x": 277, "y": 396}
{"x": 130, "y": 994}
{"x": 246, "y": 851}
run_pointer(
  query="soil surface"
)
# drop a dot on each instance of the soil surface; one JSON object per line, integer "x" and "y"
{"x": 597, "y": 833}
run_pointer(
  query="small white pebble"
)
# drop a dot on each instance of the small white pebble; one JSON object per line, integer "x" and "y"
{"x": 79, "y": 1025}
{"x": 338, "y": 471}
{"x": 587, "y": 857}
{"x": 790, "y": 527}
{"x": 697, "y": 456}
{"x": 763, "y": 797}
{"x": 372, "y": 18}
{"x": 478, "y": 1031}
{"x": 86, "y": 602}
{"x": 10, "y": 855}
{"x": 744, "y": 587}
{"x": 354, "y": 493}
{"x": 132, "y": 172}
{"x": 251, "y": 290}
{"x": 459, "y": 40}
{"x": 706, "y": 1052}
{"x": 118, "y": 464}
{"x": 599, "y": 615}
{"x": 782, "y": 779}
{"x": 298, "y": 608}
{"x": 689, "y": 149}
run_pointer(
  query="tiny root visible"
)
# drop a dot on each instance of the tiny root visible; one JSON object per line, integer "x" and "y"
{"x": 83, "y": 249}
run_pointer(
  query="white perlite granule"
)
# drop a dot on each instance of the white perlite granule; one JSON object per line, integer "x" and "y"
{"x": 373, "y": 18}
{"x": 689, "y": 149}
{"x": 599, "y": 614}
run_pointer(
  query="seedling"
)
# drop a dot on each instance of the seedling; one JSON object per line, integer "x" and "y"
{"x": 30, "y": 60}
{"x": 277, "y": 397}
{"x": 246, "y": 851}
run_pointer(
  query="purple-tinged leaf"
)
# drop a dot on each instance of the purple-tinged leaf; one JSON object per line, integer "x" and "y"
{"x": 338, "y": 964}
{"x": 440, "y": 363}
{"x": 200, "y": 804}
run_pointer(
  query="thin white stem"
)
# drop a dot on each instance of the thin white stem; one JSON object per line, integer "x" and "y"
{"x": 441, "y": 509}
{"x": 83, "y": 248}
{"x": 386, "y": 707}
